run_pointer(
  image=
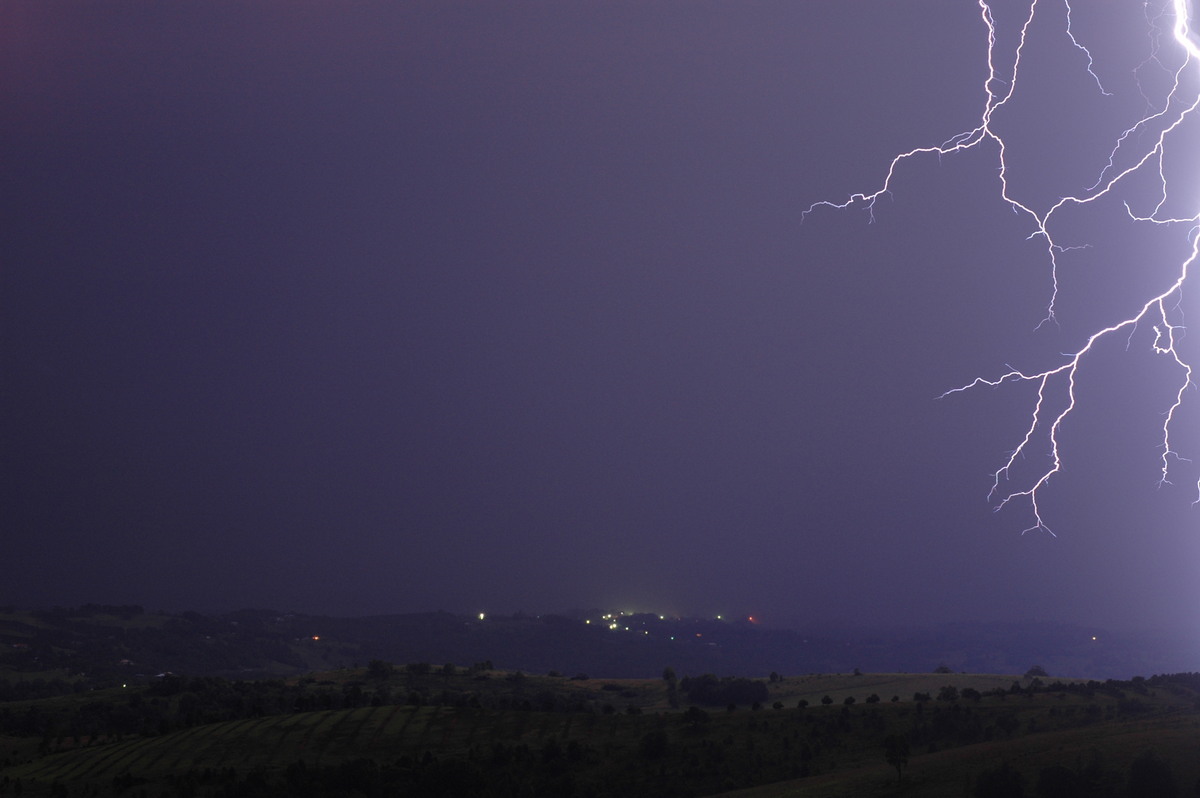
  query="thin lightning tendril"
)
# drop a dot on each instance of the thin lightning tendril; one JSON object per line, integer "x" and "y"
{"x": 1044, "y": 423}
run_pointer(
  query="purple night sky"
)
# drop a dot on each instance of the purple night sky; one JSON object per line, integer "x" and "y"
{"x": 382, "y": 307}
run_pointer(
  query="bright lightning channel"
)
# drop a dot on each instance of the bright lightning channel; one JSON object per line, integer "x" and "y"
{"x": 1155, "y": 131}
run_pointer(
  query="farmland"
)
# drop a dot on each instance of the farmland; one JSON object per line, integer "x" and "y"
{"x": 111, "y": 700}
{"x": 453, "y": 731}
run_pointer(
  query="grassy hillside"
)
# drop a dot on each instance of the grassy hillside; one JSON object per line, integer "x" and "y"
{"x": 1101, "y": 755}
{"x": 479, "y": 732}
{"x": 886, "y": 685}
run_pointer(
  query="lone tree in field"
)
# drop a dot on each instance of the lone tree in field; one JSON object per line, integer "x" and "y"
{"x": 1002, "y": 782}
{"x": 379, "y": 669}
{"x": 1149, "y": 775}
{"x": 696, "y": 718}
{"x": 896, "y": 749}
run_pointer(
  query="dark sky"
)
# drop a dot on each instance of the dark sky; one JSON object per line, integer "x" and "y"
{"x": 381, "y": 307}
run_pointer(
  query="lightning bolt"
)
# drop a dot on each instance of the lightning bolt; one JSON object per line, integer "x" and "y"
{"x": 1138, "y": 151}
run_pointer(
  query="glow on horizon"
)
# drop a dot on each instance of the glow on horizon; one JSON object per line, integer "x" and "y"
{"x": 1161, "y": 312}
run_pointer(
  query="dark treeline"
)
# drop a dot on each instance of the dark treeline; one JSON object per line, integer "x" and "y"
{"x": 708, "y": 690}
{"x": 173, "y": 702}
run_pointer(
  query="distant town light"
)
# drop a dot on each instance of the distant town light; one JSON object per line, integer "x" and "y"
{"x": 481, "y": 616}
{"x": 316, "y": 637}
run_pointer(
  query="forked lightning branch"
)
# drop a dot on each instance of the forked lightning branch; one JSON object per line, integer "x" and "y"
{"x": 1139, "y": 151}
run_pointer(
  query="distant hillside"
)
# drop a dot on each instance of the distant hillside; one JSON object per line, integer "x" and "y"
{"x": 113, "y": 644}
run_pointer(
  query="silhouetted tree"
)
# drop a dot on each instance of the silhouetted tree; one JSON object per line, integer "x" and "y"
{"x": 378, "y": 669}
{"x": 1150, "y": 777}
{"x": 896, "y": 749}
{"x": 1000, "y": 782}
{"x": 1059, "y": 781}
{"x": 708, "y": 689}
{"x": 653, "y": 744}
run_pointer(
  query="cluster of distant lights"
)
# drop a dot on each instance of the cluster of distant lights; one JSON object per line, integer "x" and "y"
{"x": 613, "y": 620}
{"x": 617, "y": 621}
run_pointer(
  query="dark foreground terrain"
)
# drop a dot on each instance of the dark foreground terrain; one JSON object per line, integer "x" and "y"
{"x": 113, "y": 701}
{"x": 419, "y": 730}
